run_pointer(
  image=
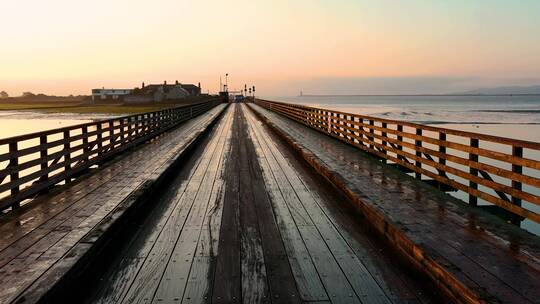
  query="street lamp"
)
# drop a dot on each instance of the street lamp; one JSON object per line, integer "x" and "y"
{"x": 227, "y": 82}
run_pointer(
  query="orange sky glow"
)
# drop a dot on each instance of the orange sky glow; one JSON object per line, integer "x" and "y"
{"x": 69, "y": 47}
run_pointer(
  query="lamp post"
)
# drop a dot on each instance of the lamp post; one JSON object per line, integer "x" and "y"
{"x": 227, "y": 82}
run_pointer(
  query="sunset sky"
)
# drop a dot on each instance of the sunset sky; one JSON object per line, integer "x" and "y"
{"x": 339, "y": 46}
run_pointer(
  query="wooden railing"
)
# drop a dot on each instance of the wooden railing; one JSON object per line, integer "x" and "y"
{"x": 490, "y": 168}
{"x": 32, "y": 163}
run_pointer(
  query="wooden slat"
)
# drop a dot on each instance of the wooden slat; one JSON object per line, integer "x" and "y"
{"x": 495, "y": 139}
{"x": 373, "y": 137}
{"x": 112, "y": 139}
{"x": 336, "y": 264}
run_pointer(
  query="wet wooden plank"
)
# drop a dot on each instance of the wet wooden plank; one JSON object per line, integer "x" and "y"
{"x": 359, "y": 277}
{"x": 199, "y": 285}
{"x": 332, "y": 276}
{"x": 180, "y": 266}
{"x": 144, "y": 287}
{"x": 43, "y": 264}
{"x": 421, "y": 210}
{"x": 254, "y": 276}
{"x": 51, "y": 248}
{"x": 338, "y": 288}
{"x": 306, "y": 276}
{"x": 227, "y": 277}
{"x": 118, "y": 280}
{"x": 278, "y": 273}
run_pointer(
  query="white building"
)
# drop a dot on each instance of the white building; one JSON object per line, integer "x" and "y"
{"x": 114, "y": 94}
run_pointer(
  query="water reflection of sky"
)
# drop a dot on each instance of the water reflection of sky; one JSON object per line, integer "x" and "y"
{"x": 13, "y": 123}
{"x": 434, "y": 109}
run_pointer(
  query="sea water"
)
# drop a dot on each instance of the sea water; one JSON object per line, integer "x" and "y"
{"x": 516, "y": 117}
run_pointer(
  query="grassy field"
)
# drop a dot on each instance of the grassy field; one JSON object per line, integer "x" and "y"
{"x": 89, "y": 108}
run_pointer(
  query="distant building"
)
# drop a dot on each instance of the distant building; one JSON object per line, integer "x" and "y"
{"x": 110, "y": 94}
{"x": 149, "y": 93}
{"x": 161, "y": 92}
{"x": 192, "y": 89}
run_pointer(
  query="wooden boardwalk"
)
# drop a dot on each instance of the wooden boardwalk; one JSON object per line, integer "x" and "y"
{"x": 243, "y": 218}
{"x": 472, "y": 254}
{"x": 35, "y": 241}
{"x": 246, "y": 222}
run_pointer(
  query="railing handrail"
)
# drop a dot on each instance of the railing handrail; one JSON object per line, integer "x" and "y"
{"x": 427, "y": 156}
{"x": 487, "y": 137}
{"x": 27, "y": 136}
{"x": 44, "y": 162}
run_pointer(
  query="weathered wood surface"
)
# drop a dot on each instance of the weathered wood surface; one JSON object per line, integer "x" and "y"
{"x": 40, "y": 242}
{"x": 471, "y": 254}
{"x": 245, "y": 222}
{"x": 35, "y": 162}
{"x": 505, "y": 164}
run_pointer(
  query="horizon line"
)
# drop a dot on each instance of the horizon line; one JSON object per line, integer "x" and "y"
{"x": 412, "y": 95}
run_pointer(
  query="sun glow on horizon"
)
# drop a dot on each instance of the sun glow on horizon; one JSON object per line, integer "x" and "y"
{"x": 68, "y": 47}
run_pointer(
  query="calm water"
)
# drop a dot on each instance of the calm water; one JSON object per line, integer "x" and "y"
{"x": 434, "y": 109}
{"x": 508, "y": 116}
{"x": 13, "y": 123}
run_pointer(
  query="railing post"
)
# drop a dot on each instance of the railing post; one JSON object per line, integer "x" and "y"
{"x": 372, "y": 139}
{"x": 43, "y": 155}
{"x": 329, "y": 122}
{"x": 399, "y": 137}
{"x": 130, "y": 129}
{"x": 418, "y": 163}
{"x": 138, "y": 125}
{"x": 99, "y": 139}
{"x": 67, "y": 155}
{"x": 384, "y": 125}
{"x": 14, "y": 162}
{"x": 473, "y": 200}
{"x": 122, "y": 131}
{"x": 442, "y": 150}
{"x": 112, "y": 137}
{"x": 516, "y": 152}
{"x": 85, "y": 142}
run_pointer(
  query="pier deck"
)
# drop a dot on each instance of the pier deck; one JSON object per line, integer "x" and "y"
{"x": 472, "y": 254}
{"x": 39, "y": 244}
{"x": 247, "y": 222}
{"x": 260, "y": 209}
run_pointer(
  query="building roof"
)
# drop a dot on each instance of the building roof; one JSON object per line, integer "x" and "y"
{"x": 189, "y": 86}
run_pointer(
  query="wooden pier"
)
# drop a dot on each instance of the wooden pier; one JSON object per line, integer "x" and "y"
{"x": 256, "y": 203}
